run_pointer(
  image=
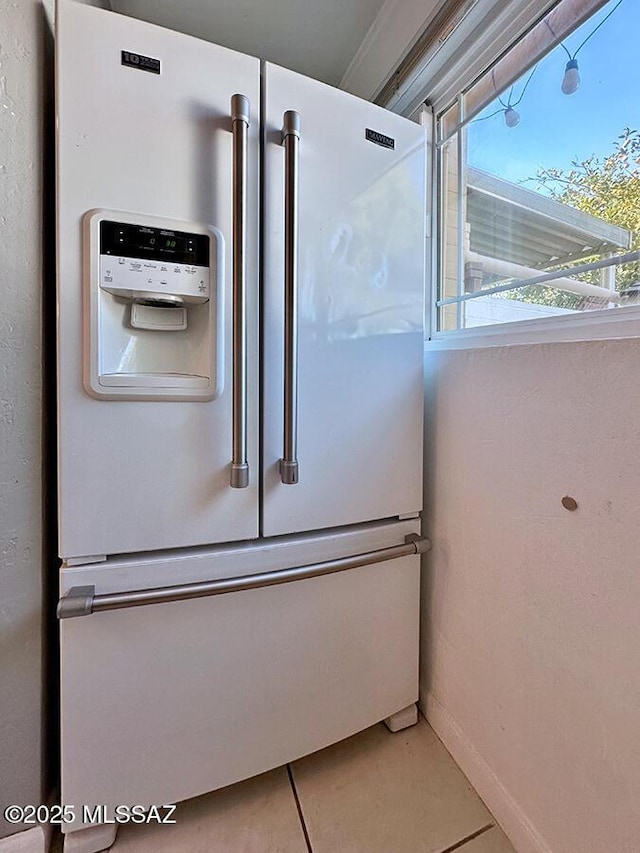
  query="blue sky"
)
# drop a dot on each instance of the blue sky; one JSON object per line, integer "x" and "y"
{"x": 555, "y": 128}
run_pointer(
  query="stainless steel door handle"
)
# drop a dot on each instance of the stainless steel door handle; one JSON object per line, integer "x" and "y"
{"x": 82, "y": 600}
{"x": 290, "y": 140}
{"x": 240, "y": 117}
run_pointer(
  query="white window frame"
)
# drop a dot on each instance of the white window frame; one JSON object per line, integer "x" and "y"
{"x": 605, "y": 325}
{"x": 438, "y": 90}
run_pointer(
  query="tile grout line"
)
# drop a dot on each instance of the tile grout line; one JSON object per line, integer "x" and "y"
{"x": 484, "y": 828}
{"x": 471, "y": 837}
{"x": 299, "y": 808}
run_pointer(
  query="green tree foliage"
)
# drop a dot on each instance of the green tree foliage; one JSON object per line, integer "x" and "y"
{"x": 607, "y": 187}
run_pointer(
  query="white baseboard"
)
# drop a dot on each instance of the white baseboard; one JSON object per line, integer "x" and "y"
{"x": 520, "y": 831}
{"x": 35, "y": 840}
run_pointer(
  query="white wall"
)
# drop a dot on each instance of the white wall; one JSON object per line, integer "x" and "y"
{"x": 26, "y": 90}
{"x": 394, "y": 31}
{"x": 22, "y": 52}
{"x": 531, "y": 640}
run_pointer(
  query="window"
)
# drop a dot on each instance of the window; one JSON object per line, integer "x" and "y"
{"x": 538, "y": 176}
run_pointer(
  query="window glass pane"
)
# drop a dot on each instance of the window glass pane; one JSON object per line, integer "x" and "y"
{"x": 547, "y": 175}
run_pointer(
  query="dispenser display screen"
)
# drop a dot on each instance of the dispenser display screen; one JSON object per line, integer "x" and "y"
{"x": 157, "y": 244}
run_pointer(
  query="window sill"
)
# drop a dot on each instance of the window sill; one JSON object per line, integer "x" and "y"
{"x": 608, "y": 324}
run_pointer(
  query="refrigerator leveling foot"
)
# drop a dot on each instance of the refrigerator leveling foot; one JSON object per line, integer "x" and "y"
{"x": 92, "y": 839}
{"x": 400, "y": 720}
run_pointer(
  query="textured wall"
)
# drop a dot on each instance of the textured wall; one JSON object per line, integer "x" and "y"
{"x": 22, "y": 52}
{"x": 26, "y": 127}
{"x": 531, "y": 631}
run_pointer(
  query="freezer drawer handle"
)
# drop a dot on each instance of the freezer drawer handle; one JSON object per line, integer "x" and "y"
{"x": 289, "y": 472}
{"x": 240, "y": 111}
{"x": 82, "y": 600}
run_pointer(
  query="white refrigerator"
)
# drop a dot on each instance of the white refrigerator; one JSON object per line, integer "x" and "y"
{"x": 240, "y": 337}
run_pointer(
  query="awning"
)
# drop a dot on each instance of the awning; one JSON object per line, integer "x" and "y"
{"x": 510, "y": 222}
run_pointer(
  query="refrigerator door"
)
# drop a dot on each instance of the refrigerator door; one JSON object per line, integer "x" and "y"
{"x": 357, "y": 308}
{"x": 163, "y": 702}
{"x": 145, "y": 382}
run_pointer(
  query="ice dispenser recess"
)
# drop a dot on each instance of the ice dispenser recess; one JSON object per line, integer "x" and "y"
{"x": 153, "y": 308}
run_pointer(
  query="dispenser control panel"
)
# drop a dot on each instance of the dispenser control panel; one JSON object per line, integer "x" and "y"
{"x": 137, "y": 260}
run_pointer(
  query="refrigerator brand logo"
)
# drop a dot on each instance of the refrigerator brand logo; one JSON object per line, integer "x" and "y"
{"x": 380, "y": 138}
{"x": 142, "y": 63}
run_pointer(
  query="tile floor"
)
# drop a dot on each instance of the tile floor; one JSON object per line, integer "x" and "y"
{"x": 375, "y": 792}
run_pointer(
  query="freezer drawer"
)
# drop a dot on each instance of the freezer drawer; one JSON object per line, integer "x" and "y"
{"x": 164, "y": 702}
